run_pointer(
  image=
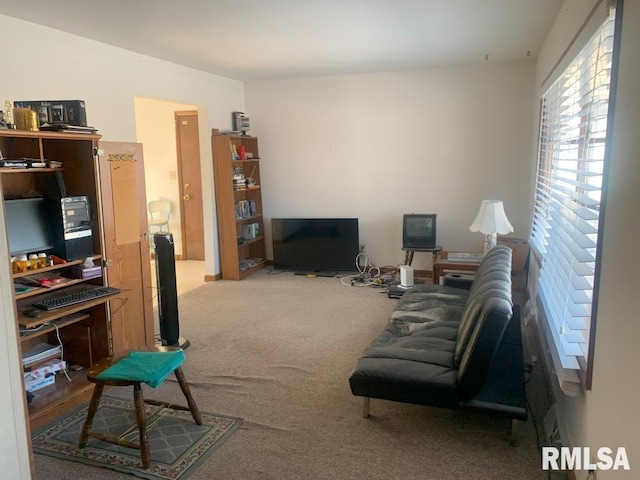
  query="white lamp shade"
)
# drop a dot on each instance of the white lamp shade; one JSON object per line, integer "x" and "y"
{"x": 491, "y": 219}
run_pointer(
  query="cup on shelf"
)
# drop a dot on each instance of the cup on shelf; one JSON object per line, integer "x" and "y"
{"x": 22, "y": 262}
{"x": 32, "y": 262}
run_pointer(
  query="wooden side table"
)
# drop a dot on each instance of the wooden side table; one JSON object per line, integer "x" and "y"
{"x": 408, "y": 256}
{"x": 441, "y": 264}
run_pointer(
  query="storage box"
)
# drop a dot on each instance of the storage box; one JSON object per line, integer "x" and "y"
{"x": 71, "y": 112}
{"x": 32, "y": 384}
{"x": 80, "y": 271}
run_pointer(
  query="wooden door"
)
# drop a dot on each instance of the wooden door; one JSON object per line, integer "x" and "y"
{"x": 126, "y": 245}
{"x": 188, "y": 145}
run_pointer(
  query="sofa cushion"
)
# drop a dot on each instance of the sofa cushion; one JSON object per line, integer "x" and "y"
{"x": 483, "y": 344}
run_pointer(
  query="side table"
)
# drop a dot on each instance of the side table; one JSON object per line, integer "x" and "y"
{"x": 441, "y": 264}
{"x": 408, "y": 256}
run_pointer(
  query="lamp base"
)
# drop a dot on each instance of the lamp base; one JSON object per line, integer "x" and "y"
{"x": 490, "y": 241}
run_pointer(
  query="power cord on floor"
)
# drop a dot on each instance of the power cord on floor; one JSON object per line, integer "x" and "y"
{"x": 369, "y": 274}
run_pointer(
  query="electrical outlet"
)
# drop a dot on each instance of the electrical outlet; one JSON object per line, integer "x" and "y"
{"x": 363, "y": 248}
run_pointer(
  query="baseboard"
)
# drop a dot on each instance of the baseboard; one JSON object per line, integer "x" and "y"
{"x": 213, "y": 278}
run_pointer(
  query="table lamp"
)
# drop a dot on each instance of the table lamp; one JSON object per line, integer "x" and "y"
{"x": 491, "y": 220}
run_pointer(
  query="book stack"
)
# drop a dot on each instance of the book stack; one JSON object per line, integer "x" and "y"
{"x": 13, "y": 163}
{"x": 251, "y": 230}
{"x": 246, "y": 263}
{"x": 245, "y": 208}
{"x": 239, "y": 181}
{"x": 40, "y": 354}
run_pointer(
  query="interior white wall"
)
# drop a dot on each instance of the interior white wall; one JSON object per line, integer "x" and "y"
{"x": 608, "y": 415}
{"x": 156, "y": 130}
{"x": 375, "y": 146}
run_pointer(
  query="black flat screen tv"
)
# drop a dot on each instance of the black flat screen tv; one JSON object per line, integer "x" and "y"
{"x": 321, "y": 246}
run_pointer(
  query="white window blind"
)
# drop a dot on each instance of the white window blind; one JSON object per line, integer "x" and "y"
{"x": 571, "y": 156}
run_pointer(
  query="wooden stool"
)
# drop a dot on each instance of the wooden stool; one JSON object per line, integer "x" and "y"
{"x": 138, "y": 400}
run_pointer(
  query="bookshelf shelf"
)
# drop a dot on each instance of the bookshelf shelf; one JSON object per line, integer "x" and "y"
{"x": 232, "y": 199}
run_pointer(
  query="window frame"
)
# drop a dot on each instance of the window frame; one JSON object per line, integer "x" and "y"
{"x": 545, "y": 184}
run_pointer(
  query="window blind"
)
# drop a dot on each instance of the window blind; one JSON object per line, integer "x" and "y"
{"x": 568, "y": 195}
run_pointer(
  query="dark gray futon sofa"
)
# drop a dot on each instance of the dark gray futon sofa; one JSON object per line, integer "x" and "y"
{"x": 452, "y": 348}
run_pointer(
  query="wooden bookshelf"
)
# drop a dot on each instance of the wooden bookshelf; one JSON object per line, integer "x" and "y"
{"x": 236, "y": 248}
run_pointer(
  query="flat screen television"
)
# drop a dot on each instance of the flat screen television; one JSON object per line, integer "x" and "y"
{"x": 418, "y": 230}
{"x": 27, "y": 226}
{"x": 322, "y": 246}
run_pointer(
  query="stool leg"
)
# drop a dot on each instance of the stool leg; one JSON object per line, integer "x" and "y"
{"x": 138, "y": 401}
{"x": 93, "y": 408}
{"x": 195, "y": 411}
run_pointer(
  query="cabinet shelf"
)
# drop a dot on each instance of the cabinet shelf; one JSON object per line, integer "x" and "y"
{"x": 61, "y": 395}
{"x": 250, "y": 219}
{"x": 249, "y": 241}
{"x": 51, "y": 325}
{"x": 51, "y": 315}
{"x": 29, "y": 170}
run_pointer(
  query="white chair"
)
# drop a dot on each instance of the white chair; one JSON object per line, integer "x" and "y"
{"x": 160, "y": 213}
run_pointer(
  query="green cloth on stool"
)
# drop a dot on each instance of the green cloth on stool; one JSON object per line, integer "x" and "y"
{"x": 151, "y": 368}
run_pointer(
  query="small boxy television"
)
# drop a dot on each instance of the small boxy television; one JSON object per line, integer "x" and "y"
{"x": 418, "y": 231}
{"x": 322, "y": 246}
{"x": 27, "y": 226}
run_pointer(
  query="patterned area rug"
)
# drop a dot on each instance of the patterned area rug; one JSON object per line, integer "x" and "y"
{"x": 178, "y": 445}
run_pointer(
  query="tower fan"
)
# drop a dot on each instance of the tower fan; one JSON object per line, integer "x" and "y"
{"x": 167, "y": 292}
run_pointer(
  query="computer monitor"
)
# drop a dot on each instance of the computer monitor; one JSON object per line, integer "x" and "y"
{"x": 27, "y": 226}
{"x": 418, "y": 230}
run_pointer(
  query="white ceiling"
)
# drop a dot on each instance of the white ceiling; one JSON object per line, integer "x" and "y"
{"x": 269, "y": 39}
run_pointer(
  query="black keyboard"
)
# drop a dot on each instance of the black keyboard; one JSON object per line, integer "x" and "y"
{"x": 76, "y": 297}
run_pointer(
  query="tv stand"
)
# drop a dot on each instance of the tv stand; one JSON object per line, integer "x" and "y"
{"x": 317, "y": 273}
{"x": 409, "y": 251}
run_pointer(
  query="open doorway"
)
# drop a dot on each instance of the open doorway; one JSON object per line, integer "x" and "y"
{"x": 156, "y": 129}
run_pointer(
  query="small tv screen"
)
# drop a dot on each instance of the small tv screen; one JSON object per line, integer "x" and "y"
{"x": 315, "y": 245}
{"x": 419, "y": 230}
{"x": 27, "y": 226}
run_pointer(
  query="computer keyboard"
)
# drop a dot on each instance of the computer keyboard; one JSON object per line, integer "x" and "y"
{"x": 74, "y": 298}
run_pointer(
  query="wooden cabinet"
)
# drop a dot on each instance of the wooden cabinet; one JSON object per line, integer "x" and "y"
{"x": 236, "y": 167}
{"x": 83, "y": 329}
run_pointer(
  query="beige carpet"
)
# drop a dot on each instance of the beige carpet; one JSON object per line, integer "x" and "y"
{"x": 277, "y": 351}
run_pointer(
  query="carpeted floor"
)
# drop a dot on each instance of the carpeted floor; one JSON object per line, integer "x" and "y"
{"x": 277, "y": 351}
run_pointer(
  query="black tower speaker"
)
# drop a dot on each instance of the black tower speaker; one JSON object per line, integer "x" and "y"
{"x": 167, "y": 291}
{"x": 55, "y": 186}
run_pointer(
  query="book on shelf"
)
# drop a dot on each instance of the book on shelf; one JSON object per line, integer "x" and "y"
{"x": 246, "y": 263}
{"x": 251, "y": 230}
{"x": 18, "y": 163}
{"x": 40, "y": 353}
{"x": 465, "y": 257}
{"x": 245, "y": 208}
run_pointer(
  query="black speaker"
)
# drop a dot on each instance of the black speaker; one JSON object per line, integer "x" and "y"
{"x": 55, "y": 186}
{"x": 167, "y": 291}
